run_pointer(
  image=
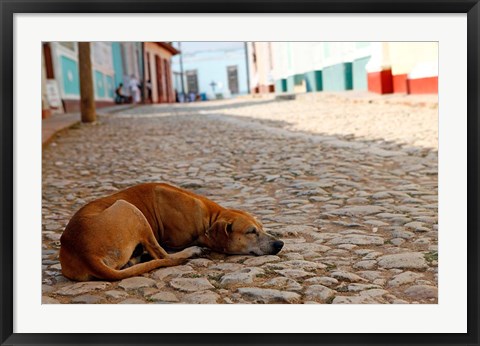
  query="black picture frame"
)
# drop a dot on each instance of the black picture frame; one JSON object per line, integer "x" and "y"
{"x": 9, "y": 8}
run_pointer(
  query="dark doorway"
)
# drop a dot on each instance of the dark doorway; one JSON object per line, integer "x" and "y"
{"x": 47, "y": 54}
{"x": 192, "y": 81}
{"x": 232, "y": 79}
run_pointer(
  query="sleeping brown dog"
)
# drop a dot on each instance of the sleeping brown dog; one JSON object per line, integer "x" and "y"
{"x": 101, "y": 237}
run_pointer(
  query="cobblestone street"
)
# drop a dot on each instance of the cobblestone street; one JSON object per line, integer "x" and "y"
{"x": 350, "y": 187}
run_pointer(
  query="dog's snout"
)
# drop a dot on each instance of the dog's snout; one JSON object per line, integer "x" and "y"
{"x": 277, "y": 246}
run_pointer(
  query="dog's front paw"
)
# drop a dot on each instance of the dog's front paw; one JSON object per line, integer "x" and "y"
{"x": 193, "y": 251}
{"x": 196, "y": 251}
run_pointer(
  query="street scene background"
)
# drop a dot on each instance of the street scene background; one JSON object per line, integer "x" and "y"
{"x": 332, "y": 145}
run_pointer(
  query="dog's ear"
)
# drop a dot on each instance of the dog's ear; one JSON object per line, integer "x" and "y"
{"x": 219, "y": 228}
{"x": 229, "y": 228}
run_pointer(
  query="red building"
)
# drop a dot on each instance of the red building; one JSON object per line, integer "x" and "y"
{"x": 158, "y": 72}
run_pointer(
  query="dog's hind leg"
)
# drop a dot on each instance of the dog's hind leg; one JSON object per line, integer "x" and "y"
{"x": 101, "y": 271}
{"x": 132, "y": 222}
{"x": 126, "y": 213}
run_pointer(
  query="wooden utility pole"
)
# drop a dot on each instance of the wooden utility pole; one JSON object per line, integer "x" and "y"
{"x": 87, "y": 98}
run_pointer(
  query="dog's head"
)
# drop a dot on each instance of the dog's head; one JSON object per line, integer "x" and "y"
{"x": 236, "y": 232}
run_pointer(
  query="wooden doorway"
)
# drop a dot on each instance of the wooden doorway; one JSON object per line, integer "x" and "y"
{"x": 47, "y": 54}
{"x": 168, "y": 82}
{"x": 160, "y": 79}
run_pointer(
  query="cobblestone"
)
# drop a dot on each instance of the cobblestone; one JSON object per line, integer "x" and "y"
{"x": 164, "y": 297}
{"x": 350, "y": 188}
{"x": 136, "y": 283}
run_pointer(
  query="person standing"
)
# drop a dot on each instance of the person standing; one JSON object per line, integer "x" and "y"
{"x": 149, "y": 90}
{"x": 134, "y": 89}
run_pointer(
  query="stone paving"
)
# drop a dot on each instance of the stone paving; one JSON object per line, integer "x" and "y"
{"x": 358, "y": 216}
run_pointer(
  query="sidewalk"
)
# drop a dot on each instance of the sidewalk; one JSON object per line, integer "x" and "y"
{"x": 354, "y": 96}
{"x": 415, "y": 100}
{"x": 59, "y": 122}
{"x": 410, "y": 120}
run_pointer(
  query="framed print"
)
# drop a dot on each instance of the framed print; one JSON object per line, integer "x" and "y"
{"x": 241, "y": 173}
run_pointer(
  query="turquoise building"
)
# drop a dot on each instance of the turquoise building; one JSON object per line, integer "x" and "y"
{"x": 379, "y": 67}
{"x": 112, "y": 63}
{"x": 320, "y": 66}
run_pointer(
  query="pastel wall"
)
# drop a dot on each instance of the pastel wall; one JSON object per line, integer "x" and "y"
{"x": 414, "y": 67}
{"x": 117, "y": 63}
{"x": 70, "y": 79}
{"x": 99, "y": 84}
{"x": 338, "y": 77}
{"x": 314, "y": 80}
{"x": 360, "y": 73}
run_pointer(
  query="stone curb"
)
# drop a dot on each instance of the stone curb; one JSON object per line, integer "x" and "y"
{"x": 60, "y": 122}
{"x": 56, "y": 124}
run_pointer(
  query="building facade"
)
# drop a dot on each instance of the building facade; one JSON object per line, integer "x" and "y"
{"x": 260, "y": 62}
{"x": 404, "y": 67}
{"x": 128, "y": 63}
{"x": 211, "y": 70}
{"x": 113, "y": 63}
{"x": 158, "y": 72}
{"x": 380, "y": 67}
{"x": 320, "y": 66}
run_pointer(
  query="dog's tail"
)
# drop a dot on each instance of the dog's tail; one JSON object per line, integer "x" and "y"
{"x": 101, "y": 271}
